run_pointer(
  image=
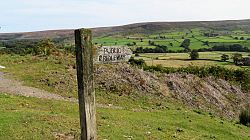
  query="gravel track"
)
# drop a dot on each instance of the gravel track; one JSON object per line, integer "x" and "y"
{"x": 17, "y": 88}
{"x": 13, "y": 87}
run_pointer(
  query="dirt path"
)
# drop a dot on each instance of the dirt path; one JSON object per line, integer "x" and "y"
{"x": 13, "y": 87}
{"x": 16, "y": 88}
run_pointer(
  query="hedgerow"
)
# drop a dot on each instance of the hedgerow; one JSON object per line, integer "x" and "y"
{"x": 241, "y": 76}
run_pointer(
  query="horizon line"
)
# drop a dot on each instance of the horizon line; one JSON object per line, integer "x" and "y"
{"x": 110, "y": 26}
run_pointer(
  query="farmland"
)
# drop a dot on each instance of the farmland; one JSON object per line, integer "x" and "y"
{"x": 175, "y": 55}
{"x": 132, "y": 102}
{"x": 183, "y": 60}
{"x": 137, "y": 116}
{"x": 173, "y": 39}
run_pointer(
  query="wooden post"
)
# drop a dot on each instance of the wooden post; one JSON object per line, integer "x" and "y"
{"x": 85, "y": 80}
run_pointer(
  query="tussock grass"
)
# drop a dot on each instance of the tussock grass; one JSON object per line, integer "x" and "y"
{"x": 140, "y": 118}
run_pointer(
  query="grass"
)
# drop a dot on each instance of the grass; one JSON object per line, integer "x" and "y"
{"x": 30, "y": 118}
{"x": 144, "y": 118}
{"x": 183, "y": 60}
{"x": 56, "y": 74}
{"x": 141, "y": 117}
{"x": 176, "y": 37}
{"x": 53, "y": 74}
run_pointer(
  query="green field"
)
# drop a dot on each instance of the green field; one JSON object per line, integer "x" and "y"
{"x": 120, "y": 117}
{"x": 138, "y": 117}
{"x": 34, "y": 70}
{"x": 196, "y": 36}
{"x": 183, "y": 60}
{"x": 45, "y": 72}
{"x": 141, "y": 118}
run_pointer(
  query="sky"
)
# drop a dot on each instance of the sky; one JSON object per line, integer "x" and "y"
{"x": 36, "y": 15}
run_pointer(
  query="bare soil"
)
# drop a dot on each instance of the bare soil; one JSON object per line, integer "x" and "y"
{"x": 17, "y": 88}
{"x": 10, "y": 86}
{"x": 216, "y": 96}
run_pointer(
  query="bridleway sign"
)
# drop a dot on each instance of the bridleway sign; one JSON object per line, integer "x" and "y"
{"x": 112, "y": 54}
{"x": 86, "y": 56}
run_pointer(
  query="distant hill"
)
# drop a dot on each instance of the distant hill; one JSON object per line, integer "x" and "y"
{"x": 138, "y": 28}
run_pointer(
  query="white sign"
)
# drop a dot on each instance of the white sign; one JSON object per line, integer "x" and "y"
{"x": 112, "y": 54}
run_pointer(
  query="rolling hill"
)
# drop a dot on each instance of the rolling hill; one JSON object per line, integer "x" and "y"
{"x": 138, "y": 28}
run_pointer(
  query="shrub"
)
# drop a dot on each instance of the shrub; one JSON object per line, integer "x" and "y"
{"x": 245, "y": 117}
{"x": 194, "y": 55}
{"x": 36, "y": 47}
{"x": 185, "y": 44}
{"x": 224, "y": 57}
{"x": 242, "y": 38}
{"x": 135, "y": 62}
{"x": 45, "y": 47}
{"x": 157, "y": 49}
{"x": 131, "y": 44}
{"x": 236, "y": 58}
{"x": 137, "y": 55}
{"x": 226, "y": 47}
{"x": 241, "y": 77}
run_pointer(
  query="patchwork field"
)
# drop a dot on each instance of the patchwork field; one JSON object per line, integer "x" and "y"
{"x": 173, "y": 39}
{"x": 183, "y": 59}
{"x": 132, "y": 103}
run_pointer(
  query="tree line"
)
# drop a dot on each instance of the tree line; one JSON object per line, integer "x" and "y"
{"x": 226, "y": 47}
{"x": 34, "y": 47}
{"x": 185, "y": 45}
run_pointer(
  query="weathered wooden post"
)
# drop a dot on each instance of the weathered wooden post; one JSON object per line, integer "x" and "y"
{"x": 85, "y": 80}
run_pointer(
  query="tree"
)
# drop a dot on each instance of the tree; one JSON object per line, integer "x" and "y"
{"x": 152, "y": 43}
{"x": 131, "y": 44}
{"x": 139, "y": 62}
{"x": 244, "y": 117}
{"x": 137, "y": 55}
{"x": 236, "y": 58}
{"x": 205, "y": 43}
{"x": 242, "y": 38}
{"x": 224, "y": 57}
{"x": 185, "y": 44}
{"x": 1, "y": 44}
{"x": 194, "y": 55}
{"x": 45, "y": 47}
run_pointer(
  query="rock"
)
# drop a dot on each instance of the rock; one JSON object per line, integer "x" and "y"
{"x": 179, "y": 130}
{"x": 148, "y": 133}
{"x": 2, "y": 67}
